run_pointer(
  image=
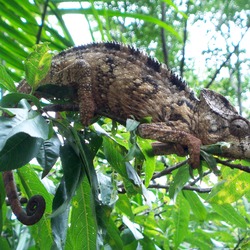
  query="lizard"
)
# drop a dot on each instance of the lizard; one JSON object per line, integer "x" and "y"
{"x": 120, "y": 82}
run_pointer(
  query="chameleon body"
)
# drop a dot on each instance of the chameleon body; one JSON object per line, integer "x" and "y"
{"x": 120, "y": 82}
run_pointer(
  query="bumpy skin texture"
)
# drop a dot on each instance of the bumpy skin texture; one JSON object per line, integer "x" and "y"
{"x": 35, "y": 207}
{"x": 120, "y": 82}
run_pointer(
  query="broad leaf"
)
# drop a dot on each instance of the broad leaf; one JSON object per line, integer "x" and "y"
{"x": 49, "y": 153}
{"x": 180, "y": 179}
{"x": 19, "y": 150}
{"x": 232, "y": 188}
{"x": 84, "y": 232}
{"x": 21, "y": 136}
{"x": 196, "y": 205}
{"x": 12, "y": 99}
{"x": 181, "y": 219}
{"x": 124, "y": 205}
{"x": 6, "y": 82}
{"x": 230, "y": 215}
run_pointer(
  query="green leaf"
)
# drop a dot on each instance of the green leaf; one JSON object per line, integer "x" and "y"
{"x": 107, "y": 224}
{"x": 230, "y": 215}
{"x": 150, "y": 160}
{"x": 4, "y": 243}
{"x": 196, "y": 205}
{"x": 21, "y": 137}
{"x": 72, "y": 170}
{"x": 107, "y": 191}
{"x": 180, "y": 179}
{"x": 37, "y": 64}
{"x": 232, "y": 188}
{"x": 49, "y": 153}
{"x": 2, "y": 204}
{"x": 181, "y": 219}
{"x": 25, "y": 121}
{"x": 19, "y": 150}
{"x": 200, "y": 239}
{"x": 84, "y": 232}
{"x": 12, "y": 99}
{"x": 115, "y": 154}
{"x": 131, "y": 125}
{"x": 124, "y": 205}
{"x": 6, "y": 82}
{"x": 211, "y": 162}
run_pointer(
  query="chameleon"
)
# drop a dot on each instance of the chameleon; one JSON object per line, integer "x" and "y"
{"x": 120, "y": 82}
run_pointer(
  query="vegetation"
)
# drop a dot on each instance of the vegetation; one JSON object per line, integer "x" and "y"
{"x": 102, "y": 188}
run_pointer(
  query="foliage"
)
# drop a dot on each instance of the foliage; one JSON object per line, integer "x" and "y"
{"x": 107, "y": 190}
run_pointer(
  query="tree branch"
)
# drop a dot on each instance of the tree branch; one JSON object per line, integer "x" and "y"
{"x": 233, "y": 166}
{"x": 38, "y": 38}
{"x": 169, "y": 170}
{"x": 184, "y": 43}
{"x": 163, "y": 34}
{"x": 227, "y": 59}
{"x": 187, "y": 187}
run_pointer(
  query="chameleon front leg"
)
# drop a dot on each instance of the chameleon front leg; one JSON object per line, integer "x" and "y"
{"x": 161, "y": 132}
{"x": 35, "y": 207}
{"x": 76, "y": 73}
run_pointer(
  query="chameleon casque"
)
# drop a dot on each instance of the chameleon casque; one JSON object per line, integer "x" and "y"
{"x": 120, "y": 82}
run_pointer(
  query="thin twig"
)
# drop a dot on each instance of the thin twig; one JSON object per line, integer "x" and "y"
{"x": 163, "y": 34}
{"x": 187, "y": 187}
{"x": 169, "y": 170}
{"x": 227, "y": 59}
{"x": 184, "y": 43}
{"x": 233, "y": 166}
{"x": 38, "y": 38}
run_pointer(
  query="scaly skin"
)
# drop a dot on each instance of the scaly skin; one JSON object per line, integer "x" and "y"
{"x": 120, "y": 82}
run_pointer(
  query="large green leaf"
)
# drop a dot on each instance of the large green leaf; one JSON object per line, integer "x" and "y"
{"x": 21, "y": 136}
{"x": 181, "y": 219}
{"x": 23, "y": 121}
{"x": 6, "y": 81}
{"x": 49, "y": 153}
{"x": 83, "y": 235}
{"x": 180, "y": 179}
{"x": 115, "y": 154}
{"x": 12, "y": 99}
{"x": 230, "y": 215}
{"x": 196, "y": 205}
{"x": 232, "y": 188}
{"x": 72, "y": 170}
{"x": 18, "y": 151}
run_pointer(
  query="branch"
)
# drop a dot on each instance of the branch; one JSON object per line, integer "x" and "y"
{"x": 169, "y": 148}
{"x": 169, "y": 170}
{"x": 227, "y": 59}
{"x": 163, "y": 35}
{"x": 38, "y": 38}
{"x": 184, "y": 43}
{"x": 187, "y": 187}
{"x": 233, "y": 166}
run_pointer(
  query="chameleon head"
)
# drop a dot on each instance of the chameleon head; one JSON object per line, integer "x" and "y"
{"x": 219, "y": 121}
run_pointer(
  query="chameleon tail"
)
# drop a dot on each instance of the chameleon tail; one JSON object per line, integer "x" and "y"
{"x": 35, "y": 207}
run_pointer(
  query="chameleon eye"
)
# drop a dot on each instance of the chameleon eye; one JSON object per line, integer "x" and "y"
{"x": 239, "y": 127}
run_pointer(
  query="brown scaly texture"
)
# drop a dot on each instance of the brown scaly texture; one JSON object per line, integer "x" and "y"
{"x": 35, "y": 207}
{"x": 120, "y": 82}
